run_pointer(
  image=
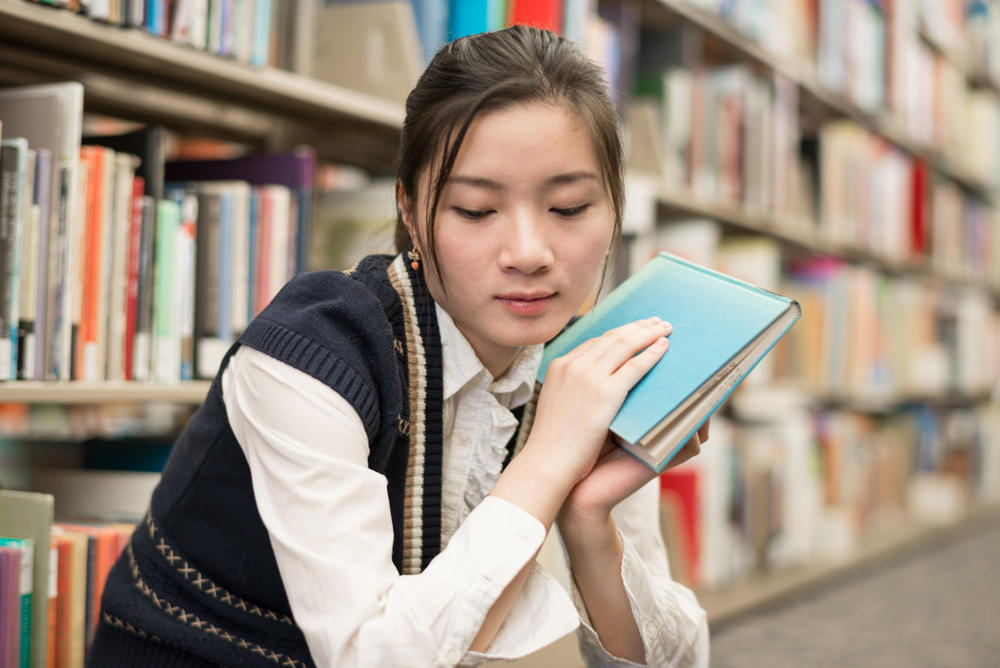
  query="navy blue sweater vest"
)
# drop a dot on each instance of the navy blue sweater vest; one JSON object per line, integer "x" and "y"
{"x": 198, "y": 583}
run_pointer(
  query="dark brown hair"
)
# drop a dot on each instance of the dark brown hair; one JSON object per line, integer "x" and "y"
{"x": 488, "y": 72}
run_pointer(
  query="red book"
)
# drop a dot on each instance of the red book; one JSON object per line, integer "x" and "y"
{"x": 683, "y": 484}
{"x": 918, "y": 229}
{"x": 538, "y": 13}
{"x": 132, "y": 295}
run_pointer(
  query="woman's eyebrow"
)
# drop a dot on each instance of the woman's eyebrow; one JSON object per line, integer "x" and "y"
{"x": 490, "y": 184}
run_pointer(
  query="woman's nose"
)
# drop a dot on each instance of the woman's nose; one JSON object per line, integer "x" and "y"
{"x": 527, "y": 248}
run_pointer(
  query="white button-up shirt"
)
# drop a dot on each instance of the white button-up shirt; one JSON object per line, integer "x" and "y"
{"x": 327, "y": 516}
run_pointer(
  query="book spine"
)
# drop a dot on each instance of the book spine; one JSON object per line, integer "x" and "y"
{"x": 28, "y": 252}
{"x": 11, "y": 189}
{"x": 144, "y": 300}
{"x": 86, "y": 361}
{"x": 166, "y": 345}
{"x": 132, "y": 280}
{"x": 184, "y": 297}
{"x": 208, "y": 272}
{"x": 105, "y": 260}
{"x": 43, "y": 199}
{"x": 124, "y": 167}
{"x": 240, "y": 261}
{"x": 53, "y": 602}
{"x": 25, "y": 586}
{"x": 59, "y": 321}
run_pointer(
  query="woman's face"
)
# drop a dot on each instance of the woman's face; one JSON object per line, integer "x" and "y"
{"x": 522, "y": 229}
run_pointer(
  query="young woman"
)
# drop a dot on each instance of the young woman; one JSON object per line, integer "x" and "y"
{"x": 374, "y": 470}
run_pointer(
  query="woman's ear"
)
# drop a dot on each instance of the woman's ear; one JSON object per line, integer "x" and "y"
{"x": 405, "y": 210}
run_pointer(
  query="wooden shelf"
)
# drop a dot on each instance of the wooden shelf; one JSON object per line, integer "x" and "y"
{"x": 802, "y": 234}
{"x": 130, "y": 72}
{"x": 80, "y": 392}
{"x": 883, "y": 545}
{"x": 660, "y": 13}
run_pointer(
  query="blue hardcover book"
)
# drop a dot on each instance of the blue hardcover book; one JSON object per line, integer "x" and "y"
{"x": 722, "y": 328}
{"x": 468, "y": 17}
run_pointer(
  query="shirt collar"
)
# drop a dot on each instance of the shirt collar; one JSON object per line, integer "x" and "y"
{"x": 462, "y": 366}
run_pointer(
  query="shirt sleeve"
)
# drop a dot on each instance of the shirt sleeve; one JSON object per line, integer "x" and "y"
{"x": 327, "y": 516}
{"x": 673, "y": 625}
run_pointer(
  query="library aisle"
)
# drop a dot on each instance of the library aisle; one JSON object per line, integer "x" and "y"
{"x": 937, "y": 604}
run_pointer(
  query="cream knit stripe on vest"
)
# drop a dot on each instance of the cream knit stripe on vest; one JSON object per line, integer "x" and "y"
{"x": 413, "y": 500}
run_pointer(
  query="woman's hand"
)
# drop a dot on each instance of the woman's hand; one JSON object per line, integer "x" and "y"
{"x": 615, "y": 476}
{"x": 583, "y": 391}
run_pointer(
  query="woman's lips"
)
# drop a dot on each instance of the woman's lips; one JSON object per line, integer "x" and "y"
{"x": 525, "y": 304}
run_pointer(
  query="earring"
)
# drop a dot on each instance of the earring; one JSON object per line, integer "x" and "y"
{"x": 414, "y": 256}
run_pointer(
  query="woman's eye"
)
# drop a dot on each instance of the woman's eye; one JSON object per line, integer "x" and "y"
{"x": 570, "y": 211}
{"x": 472, "y": 214}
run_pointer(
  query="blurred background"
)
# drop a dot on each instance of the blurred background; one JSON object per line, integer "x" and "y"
{"x": 168, "y": 166}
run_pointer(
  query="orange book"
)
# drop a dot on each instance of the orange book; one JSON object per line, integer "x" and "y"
{"x": 99, "y": 162}
{"x": 71, "y": 587}
{"x": 102, "y": 550}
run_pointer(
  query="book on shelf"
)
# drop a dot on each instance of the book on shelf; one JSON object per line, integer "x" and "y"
{"x": 49, "y": 117}
{"x": 28, "y": 515}
{"x": 21, "y": 617}
{"x": 10, "y": 606}
{"x": 71, "y": 585}
{"x": 722, "y": 328}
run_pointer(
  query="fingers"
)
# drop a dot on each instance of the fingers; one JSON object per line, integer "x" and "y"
{"x": 615, "y": 347}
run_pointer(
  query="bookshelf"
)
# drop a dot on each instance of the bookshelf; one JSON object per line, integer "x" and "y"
{"x": 799, "y": 234}
{"x": 129, "y": 73}
{"x": 134, "y": 74}
{"x": 80, "y": 392}
{"x": 660, "y": 14}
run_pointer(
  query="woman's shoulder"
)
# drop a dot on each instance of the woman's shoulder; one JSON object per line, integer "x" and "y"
{"x": 330, "y": 308}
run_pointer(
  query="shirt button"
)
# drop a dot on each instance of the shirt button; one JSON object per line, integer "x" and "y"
{"x": 453, "y": 655}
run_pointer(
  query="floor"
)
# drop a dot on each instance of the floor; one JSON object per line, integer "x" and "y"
{"x": 936, "y": 607}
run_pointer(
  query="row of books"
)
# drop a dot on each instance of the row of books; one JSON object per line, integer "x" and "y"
{"x": 811, "y": 486}
{"x": 726, "y": 134}
{"x": 106, "y": 273}
{"x": 52, "y": 575}
{"x": 245, "y": 30}
{"x": 863, "y": 334}
{"x": 729, "y": 136}
{"x": 878, "y": 56}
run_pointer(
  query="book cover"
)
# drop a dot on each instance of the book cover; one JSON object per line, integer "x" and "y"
{"x": 722, "y": 328}
{"x": 24, "y": 587}
{"x": 29, "y": 515}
